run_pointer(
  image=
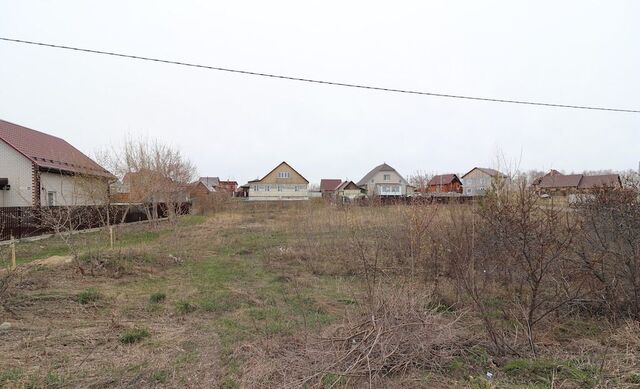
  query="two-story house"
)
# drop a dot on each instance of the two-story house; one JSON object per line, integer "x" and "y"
{"x": 281, "y": 183}
{"x": 479, "y": 180}
{"x": 385, "y": 181}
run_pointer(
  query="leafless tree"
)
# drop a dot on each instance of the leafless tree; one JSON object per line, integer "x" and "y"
{"x": 609, "y": 247}
{"x": 153, "y": 173}
{"x": 536, "y": 244}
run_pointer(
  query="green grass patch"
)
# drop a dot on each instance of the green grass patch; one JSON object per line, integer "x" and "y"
{"x": 191, "y": 220}
{"x": 137, "y": 237}
{"x": 184, "y": 307}
{"x": 134, "y": 335}
{"x": 54, "y": 380}
{"x": 159, "y": 377}
{"x": 89, "y": 295}
{"x": 10, "y": 375}
{"x": 544, "y": 371}
{"x": 157, "y": 298}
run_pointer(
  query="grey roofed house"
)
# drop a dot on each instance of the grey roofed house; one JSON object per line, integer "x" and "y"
{"x": 478, "y": 180}
{"x": 210, "y": 182}
{"x": 383, "y": 180}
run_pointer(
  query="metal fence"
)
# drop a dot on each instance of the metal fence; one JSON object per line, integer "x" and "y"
{"x": 24, "y": 222}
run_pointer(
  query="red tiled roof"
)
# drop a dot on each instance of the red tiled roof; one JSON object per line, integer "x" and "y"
{"x": 329, "y": 183}
{"x": 49, "y": 152}
{"x": 442, "y": 179}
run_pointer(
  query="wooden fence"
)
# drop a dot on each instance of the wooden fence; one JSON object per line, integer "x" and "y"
{"x": 24, "y": 222}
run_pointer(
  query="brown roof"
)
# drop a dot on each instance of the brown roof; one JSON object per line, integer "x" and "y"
{"x": 560, "y": 181}
{"x": 329, "y": 184}
{"x": 280, "y": 164}
{"x": 554, "y": 179}
{"x": 346, "y": 184}
{"x": 608, "y": 180}
{"x": 443, "y": 179}
{"x": 49, "y": 152}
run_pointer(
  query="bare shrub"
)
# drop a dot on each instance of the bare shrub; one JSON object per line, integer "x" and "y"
{"x": 609, "y": 248}
{"x": 534, "y": 242}
{"x": 403, "y": 333}
{"x": 212, "y": 203}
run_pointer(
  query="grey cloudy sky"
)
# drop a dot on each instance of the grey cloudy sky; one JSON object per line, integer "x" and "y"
{"x": 235, "y": 126}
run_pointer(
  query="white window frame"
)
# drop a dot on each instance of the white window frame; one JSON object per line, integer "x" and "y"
{"x": 284, "y": 175}
{"x": 386, "y": 177}
{"x": 51, "y": 198}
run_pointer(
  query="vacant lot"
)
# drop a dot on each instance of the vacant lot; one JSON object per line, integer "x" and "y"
{"x": 302, "y": 295}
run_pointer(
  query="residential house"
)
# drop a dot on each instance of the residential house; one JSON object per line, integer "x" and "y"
{"x": 281, "y": 183}
{"x": 479, "y": 180}
{"x": 38, "y": 169}
{"x": 444, "y": 183}
{"x": 229, "y": 186}
{"x": 210, "y": 183}
{"x": 348, "y": 191}
{"x": 385, "y": 181}
{"x": 556, "y": 183}
{"x": 148, "y": 186}
{"x": 328, "y": 187}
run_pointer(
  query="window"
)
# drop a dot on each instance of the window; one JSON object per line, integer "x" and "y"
{"x": 255, "y": 188}
{"x": 296, "y": 188}
{"x": 268, "y": 188}
{"x": 51, "y": 199}
{"x": 279, "y": 188}
{"x": 283, "y": 174}
{"x": 386, "y": 177}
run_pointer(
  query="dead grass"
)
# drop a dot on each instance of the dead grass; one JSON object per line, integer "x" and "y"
{"x": 281, "y": 299}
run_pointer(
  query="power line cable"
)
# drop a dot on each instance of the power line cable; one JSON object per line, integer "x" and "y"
{"x": 324, "y": 82}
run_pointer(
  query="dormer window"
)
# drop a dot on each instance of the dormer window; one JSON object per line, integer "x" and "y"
{"x": 283, "y": 174}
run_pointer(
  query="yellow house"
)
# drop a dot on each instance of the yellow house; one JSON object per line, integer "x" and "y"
{"x": 281, "y": 183}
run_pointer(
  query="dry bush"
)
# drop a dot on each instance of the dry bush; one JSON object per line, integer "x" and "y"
{"x": 608, "y": 248}
{"x": 403, "y": 333}
{"x": 212, "y": 203}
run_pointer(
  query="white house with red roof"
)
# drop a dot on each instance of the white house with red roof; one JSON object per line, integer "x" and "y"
{"x": 37, "y": 169}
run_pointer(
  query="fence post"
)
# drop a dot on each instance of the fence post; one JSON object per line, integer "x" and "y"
{"x": 13, "y": 253}
{"x": 111, "y": 236}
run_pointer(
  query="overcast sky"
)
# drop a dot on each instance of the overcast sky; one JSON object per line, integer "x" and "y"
{"x": 235, "y": 126}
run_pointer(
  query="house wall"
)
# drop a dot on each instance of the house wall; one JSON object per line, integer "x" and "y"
{"x": 350, "y": 193}
{"x": 18, "y": 169}
{"x": 476, "y": 183}
{"x": 70, "y": 190}
{"x": 262, "y": 191}
{"x": 273, "y": 187}
{"x": 445, "y": 188}
{"x": 376, "y": 184}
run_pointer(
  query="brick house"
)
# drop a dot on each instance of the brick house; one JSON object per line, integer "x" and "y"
{"x": 38, "y": 169}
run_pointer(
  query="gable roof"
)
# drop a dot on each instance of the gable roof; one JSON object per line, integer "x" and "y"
{"x": 48, "y": 151}
{"x": 609, "y": 180}
{"x": 560, "y": 181}
{"x": 275, "y": 168}
{"x": 443, "y": 179}
{"x": 487, "y": 171}
{"x": 555, "y": 179}
{"x": 328, "y": 184}
{"x": 346, "y": 184}
{"x": 380, "y": 168}
{"x": 210, "y": 182}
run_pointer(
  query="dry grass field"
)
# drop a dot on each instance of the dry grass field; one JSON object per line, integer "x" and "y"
{"x": 297, "y": 295}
